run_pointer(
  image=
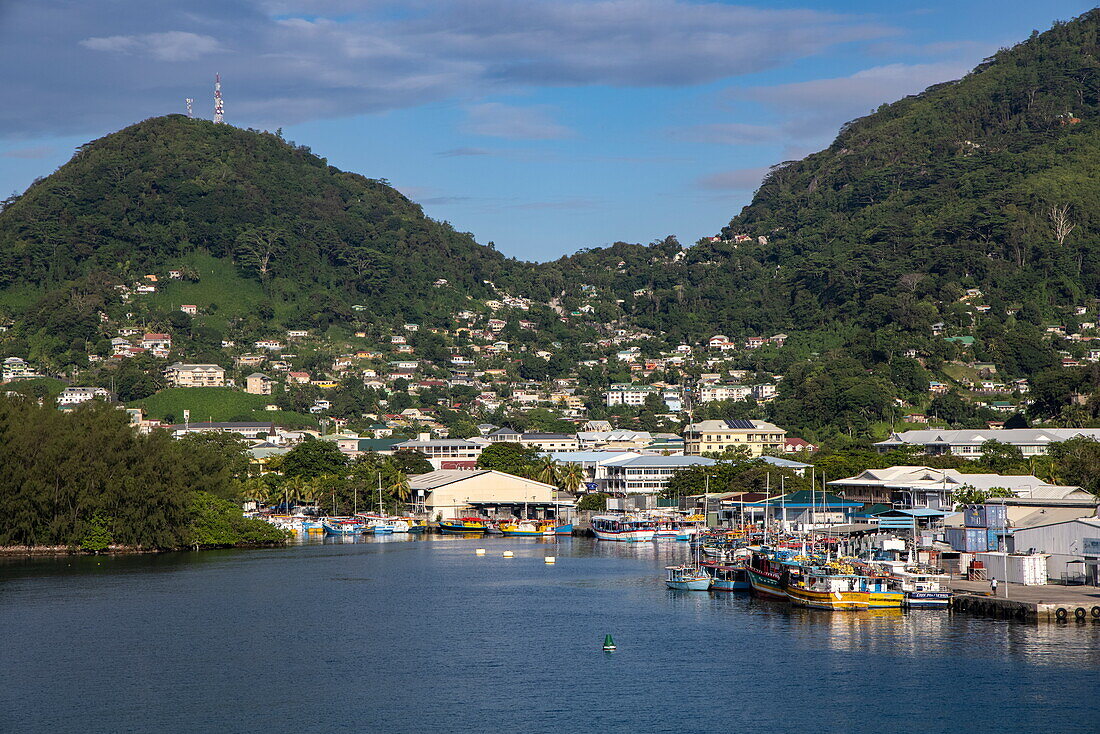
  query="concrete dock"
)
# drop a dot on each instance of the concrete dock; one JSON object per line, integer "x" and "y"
{"x": 1051, "y": 603}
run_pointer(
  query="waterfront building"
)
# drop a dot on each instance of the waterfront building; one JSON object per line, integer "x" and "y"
{"x": 718, "y": 435}
{"x": 448, "y": 494}
{"x": 647, "y": 474}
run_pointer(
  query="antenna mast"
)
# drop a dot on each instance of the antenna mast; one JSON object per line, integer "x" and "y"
{"x": 219, "y": 109}
{"x": 189, "y": 101}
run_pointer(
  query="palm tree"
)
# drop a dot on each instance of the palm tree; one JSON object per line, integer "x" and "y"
{"x": 570, "y": 477}
{"x": 547, "y": 470}
{"x": 399, "y": 486}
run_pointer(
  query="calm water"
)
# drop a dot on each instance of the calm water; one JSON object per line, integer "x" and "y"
{"x": 398, "y": 635}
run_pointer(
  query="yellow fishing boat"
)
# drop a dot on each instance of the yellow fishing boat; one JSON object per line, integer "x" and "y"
{"x": 819, "y": 589}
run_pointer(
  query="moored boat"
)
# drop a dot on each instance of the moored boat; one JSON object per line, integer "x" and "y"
{"x": 767, "y": 575}
{"x": 923, "y": 589}
{"x": 462, "y": 525}
{"x": 687, "y": 578}
{"x": 527, "y": 528}
{"x": 622, "y": 528}
{"x": 822, "y": 589}
{"x": 566, "y": 529}
{"x": 341, "y": 526}
{"x": 726, "y": 577}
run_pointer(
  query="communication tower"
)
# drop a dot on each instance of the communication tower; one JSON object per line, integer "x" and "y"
{"x": 219, "y": 109}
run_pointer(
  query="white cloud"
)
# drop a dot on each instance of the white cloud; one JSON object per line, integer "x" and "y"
{"x": 168, "y": 46}
{"x": 498, "y": 120}
{"x": 287, "y": 61}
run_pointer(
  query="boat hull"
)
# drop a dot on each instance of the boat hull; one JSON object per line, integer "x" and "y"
{"x": 461, "y": 529}
{"x": 689, "y": 585}
{"x": 927, "y": 599}
{"x": 835, "y": 601}
{"x": 564, "y": 529}
{"x": 885, "y": 599}
{"x": 765, "y": 585}
{"x": 625, "y": 536}
{"x": 525, "y": 533}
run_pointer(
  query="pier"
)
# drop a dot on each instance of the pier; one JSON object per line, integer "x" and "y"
{"x": 1050, "y": 603}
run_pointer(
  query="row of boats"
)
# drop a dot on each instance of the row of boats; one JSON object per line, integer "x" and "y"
{"x": 360, "y": 524}
{"x": 813, "y": 580}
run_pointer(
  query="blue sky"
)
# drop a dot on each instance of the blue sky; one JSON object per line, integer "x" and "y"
{"x": 543, "y": 126}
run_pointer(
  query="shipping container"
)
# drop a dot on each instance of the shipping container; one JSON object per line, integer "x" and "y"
{"x": 1017, "y": 569}
{"x": 977, "y": 540}
{"x": 985, "y": 516}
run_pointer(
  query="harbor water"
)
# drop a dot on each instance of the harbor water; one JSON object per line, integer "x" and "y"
{"x": 409, "y": 634}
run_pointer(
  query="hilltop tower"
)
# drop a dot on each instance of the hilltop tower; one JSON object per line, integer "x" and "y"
{"x": 219, "y": 109}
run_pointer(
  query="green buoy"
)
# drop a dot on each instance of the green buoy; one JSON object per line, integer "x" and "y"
{"x": 608, "y": 644}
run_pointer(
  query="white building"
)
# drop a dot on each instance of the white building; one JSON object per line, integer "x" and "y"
{"x": 77, "y": 395}
{"x": 624, "y": 394}
{"x": 968, "y": 443}
{"x": 1073, "y": 545}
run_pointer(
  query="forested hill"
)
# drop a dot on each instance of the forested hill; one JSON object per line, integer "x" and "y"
{"x": 987, "y": 182}
{"x": 149, "y": 194}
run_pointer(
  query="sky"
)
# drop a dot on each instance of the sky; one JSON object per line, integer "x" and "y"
{"x": 542, "y": 126}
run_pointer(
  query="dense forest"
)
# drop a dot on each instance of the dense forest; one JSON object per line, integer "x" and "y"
{"x": 325, "y": 239}
{"x": 85, "y": 479}
{"x": 986, "y": 182}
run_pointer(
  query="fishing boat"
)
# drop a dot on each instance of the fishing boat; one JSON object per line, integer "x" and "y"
{"x": 623, "y": 528}
{"x": 341, "y": 526}
{"x": 527, "y": 528}
{"x": 687, "y": 578}
{"x": 768, "y": 575}
{"x": 823, "y": 589}
{"x": 923, "y": 589}
{"x": 463, "y": 525}
{"x": 726, "y": 577}
{"x": 415, "y": 525}
{"x": 566, "y": 529}
{"x": 313, "y": 526}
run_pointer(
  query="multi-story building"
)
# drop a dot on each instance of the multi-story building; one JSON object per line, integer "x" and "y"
{"x": 718, "y": 435}
{"x": 195, "y": 375}
{"x": 445, "y": 453}
{"x": 712, "y": 393}
{"x": 635, "y": 474}
{"x": 257, "y": 384}
{"x": 627, "y": 394}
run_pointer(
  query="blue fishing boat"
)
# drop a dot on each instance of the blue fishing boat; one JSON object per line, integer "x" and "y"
{"x": 726, "y": 576}
{"x": 687, "y": 578}
{"x": 341, "y": 526}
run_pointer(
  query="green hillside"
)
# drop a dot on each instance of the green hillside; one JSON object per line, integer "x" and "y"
{"x": 217, "y": 404}
{"x": 971, "y": 184}
{"x": 152, "y": 195}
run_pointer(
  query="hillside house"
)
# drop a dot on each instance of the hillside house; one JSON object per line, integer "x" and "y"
{"x": 257, "y": 384}
{"x": 77, "y": 395}
{"x": 190, "y": 309}
{"x": 195, "y": 375}
{"x": 297, "y": 378}
{"x": 156, "y": 342}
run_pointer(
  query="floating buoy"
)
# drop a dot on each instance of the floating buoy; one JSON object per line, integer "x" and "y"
{"x": 480, "y": 551}
{"x": 508, "y": 554}
{"x": 608, "y": 644}
{"x": 550, "y": 559}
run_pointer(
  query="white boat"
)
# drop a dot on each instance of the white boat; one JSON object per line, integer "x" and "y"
{"x": 687, "y": 578}
{"x": 923, "y": 589}
{"x": 623, "y": 528}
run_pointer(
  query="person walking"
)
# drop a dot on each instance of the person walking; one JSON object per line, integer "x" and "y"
{"x": 993, "y": 585}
